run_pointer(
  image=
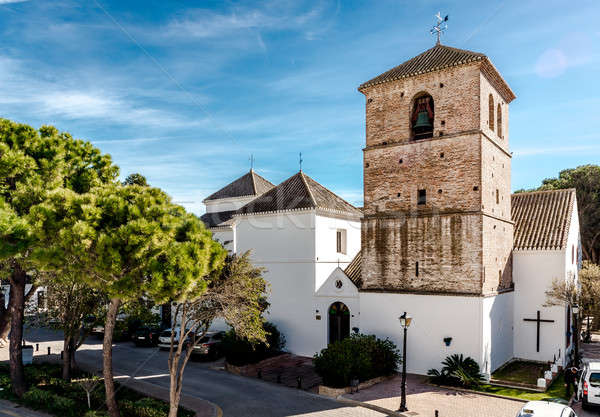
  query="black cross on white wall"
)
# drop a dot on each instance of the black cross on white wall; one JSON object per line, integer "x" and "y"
{"x": 538, "y": 320}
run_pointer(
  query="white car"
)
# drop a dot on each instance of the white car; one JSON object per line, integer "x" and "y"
{"x": 164, "y": 340}
{"x": 546, "y": 409}
{"x": 589, "y": 385}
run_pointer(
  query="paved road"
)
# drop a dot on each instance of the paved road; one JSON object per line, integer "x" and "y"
{"x": 236, "y": 396}
{"x": 8, "y": 409}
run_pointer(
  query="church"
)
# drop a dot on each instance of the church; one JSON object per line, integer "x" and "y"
{"x": 440, "y": 235}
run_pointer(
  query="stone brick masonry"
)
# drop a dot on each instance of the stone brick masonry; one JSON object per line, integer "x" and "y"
{"x": 460, "y": 241}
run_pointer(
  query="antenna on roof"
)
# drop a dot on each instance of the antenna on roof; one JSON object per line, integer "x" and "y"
{"x": 440, "y": 27}
{"x": 301, "y": 160}
{"x": 251, "y": 159}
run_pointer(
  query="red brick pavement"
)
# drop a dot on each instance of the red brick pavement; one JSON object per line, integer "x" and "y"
{"x": 423, "y": 399}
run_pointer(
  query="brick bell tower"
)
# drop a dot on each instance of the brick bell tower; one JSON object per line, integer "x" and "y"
{"x": 437, "y": 214}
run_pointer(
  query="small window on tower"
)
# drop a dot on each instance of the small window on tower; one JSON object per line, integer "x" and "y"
{"x": 497, "y": 196}
{"x": 422, "y": 197}
{"x": 341, "y": 241}
{"x": 491, "y": 112}
{"x": 499, "y": 114}
{"x": 417, "y": 269}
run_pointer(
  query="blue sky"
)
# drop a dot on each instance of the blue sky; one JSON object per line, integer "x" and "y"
{"x": 184, "y": 91}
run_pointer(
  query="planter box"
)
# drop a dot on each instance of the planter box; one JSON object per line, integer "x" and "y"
{"x": 252, "y": 369}
{"x": 336, "y": 392}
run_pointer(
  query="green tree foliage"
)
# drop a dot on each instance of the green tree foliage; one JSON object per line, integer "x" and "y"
{"x": 457, "y": 371}
{"x": 235, "y": 293}
{"x": 359, "y": 356}
{"x": 33, "y": 164}
{"x": 135, "y": 179}
{"x": 586, "y": 181}
{"x": 131, "y": 241}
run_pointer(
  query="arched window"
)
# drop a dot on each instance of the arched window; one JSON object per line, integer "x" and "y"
{"x": 422, "y": 116}
{"x": 491, "y": 112}
{"x": 339, "y": 322}
{"x": 499, "y": 120}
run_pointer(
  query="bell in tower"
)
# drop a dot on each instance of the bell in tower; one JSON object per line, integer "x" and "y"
{"x": 422, "y": 118}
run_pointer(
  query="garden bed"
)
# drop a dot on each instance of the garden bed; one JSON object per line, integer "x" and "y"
{"x": 48, "y": 392}
{"x": 522, "y": 373}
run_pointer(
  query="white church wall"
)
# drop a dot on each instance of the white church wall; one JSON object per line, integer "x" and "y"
{"x": 497, "y": 341}
{"x": 329, "y": 293}
{"x": 226, "y": 237}
{"x": 434, "y": 318}
{"x": 326, "y": 245}
{"x": 284, "y": 243}
{"x": 533, "y": 272}
{"x": 227, "y": 204}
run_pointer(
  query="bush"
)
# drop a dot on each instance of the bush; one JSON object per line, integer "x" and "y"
{"x": 358, "y": 356}
{"x": 94, "y": 413}
{"x": 457, "y": 371}
{"x": 241, "y": 352}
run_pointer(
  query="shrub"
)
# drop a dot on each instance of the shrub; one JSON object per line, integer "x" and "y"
{"x": 94, "y": 413}
{"x": 37, "y": 398}
{"x": 241, "y": 352}
{"x": 358, "y": 356}
{"x": 457, "y": 371}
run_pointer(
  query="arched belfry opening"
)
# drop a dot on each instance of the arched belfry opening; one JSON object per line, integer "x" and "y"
{"x": 339, "y": 322}
{"x": 421, "y": 119}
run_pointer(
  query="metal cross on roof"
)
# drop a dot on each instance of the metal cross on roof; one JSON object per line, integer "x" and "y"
{"x": 301, "y": 160}
{"x": 251, "y": 159}
{"x": 440, "y": 27}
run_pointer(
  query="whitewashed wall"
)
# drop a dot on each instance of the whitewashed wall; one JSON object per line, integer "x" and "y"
{"x": 497, "y": 342}
{"x": 328, "y": 294}
{"x": 225, "y": 236}
{"x": 434, "y": 318}
{"x": 533, "y": 272}
{"x": 327, "y": 256}
{"x": 284, "y": 244}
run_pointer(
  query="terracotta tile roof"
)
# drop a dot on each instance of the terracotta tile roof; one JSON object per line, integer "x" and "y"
{"x": 438, "y": 57}
{"x": 353, "y": 271}
{"x": 542, "y": 218}
{"x": 296, "y": 193}
{"x": 247, "y": 185}
{"x": 217, "y": 219}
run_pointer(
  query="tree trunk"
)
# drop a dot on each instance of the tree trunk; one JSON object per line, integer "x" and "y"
{"x": 16, "y": 308}
{"x": 67, "y": 357}
{"x": 5, "y": 314}
{"x": 109, "y": 383}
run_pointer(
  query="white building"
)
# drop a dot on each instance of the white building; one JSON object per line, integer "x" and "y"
{"x": 448, "y": 183}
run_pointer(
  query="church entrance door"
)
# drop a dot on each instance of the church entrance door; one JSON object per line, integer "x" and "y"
{"x": 339, "y": 322}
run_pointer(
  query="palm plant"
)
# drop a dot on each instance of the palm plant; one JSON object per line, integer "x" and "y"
{"x": 458, "y": 371}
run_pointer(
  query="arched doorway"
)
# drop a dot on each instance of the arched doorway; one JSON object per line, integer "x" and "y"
{"x": 339, "y": 322}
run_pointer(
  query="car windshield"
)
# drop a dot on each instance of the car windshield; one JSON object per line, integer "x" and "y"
{"x": 166, "y": 333}
{"x": 204, "y": 339}
{"x": 595, "y": 379}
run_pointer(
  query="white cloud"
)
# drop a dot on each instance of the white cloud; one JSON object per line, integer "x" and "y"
{"x": 54, "y": 98}
{"x": 12, "y": 1}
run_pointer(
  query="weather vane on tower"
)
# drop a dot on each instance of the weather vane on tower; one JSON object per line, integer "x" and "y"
{"x": 440, "y": 27}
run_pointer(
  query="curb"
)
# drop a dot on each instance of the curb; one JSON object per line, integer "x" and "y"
{"x": 487, "y": 394}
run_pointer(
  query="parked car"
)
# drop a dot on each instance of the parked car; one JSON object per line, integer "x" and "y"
{"x": 146, "y": 336}
{"x": 588, "y": 389}
{"x": 209, "y": 346}
{"x": 546, "y": 409}
{"x": 120, "y": 334}
{"x": 164, "y": 340}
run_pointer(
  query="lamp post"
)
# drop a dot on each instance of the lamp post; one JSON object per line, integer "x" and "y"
{"x": 405, "y": 320}
{"x": 575, "y": 310}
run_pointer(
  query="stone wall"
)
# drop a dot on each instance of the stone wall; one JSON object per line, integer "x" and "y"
{"x": 462, "y": 237}
{"x": 446, "y": 246}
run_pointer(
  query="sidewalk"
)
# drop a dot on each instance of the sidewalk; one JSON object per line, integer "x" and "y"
{"x": 423, "y": 400}
{"x": 8, "y": 409}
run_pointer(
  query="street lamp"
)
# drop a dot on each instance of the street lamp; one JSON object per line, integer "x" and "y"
{"x": 405, "y": 320}
{"x": 575, "y": 310}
